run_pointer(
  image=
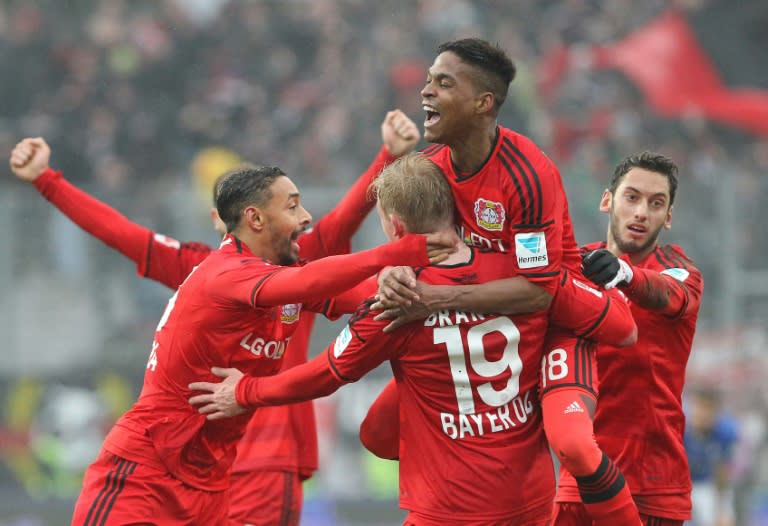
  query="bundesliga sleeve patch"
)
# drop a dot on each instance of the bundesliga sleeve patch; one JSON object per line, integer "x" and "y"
{"x": 167, "y": 241}
{"x": 680, "y": 274}
{"x": 342, "y": 340}
{"x": 531, "y": 250}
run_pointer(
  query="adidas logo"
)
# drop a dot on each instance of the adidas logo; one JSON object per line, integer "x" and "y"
{"x": 574, "y": 407}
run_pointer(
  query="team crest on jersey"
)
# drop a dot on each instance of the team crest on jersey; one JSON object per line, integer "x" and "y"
{"x": 489, "y": 215}
{"x": 290, "y": 313}
{"x": 680, "y": 274}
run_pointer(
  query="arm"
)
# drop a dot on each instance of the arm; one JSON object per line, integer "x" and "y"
{"x": 311, "y": 283}
{"x": 359, "y": 348}
{"x": 654, "y": 291}
{"x": 671, "y": 292}
{"x": 347, "y": 302}
{"x": 29, "y": 162}
{"x": 600, "y": 315}
{"x": 238, "y": 392}
{"x": 403, "y": 299}
{"x": 332, "y": 234}
{"x": 157, "y": 257}
{"x": 380, "y": 430}
{"x": 504, "y": 296}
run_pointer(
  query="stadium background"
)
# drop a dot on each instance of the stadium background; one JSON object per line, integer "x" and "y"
{"x": 143, "y": 102}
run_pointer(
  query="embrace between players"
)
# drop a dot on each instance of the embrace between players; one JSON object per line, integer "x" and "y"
{"x": 496, "y": 328}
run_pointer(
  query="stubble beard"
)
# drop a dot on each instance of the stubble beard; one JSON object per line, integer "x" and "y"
{"x": 630, "y": 246}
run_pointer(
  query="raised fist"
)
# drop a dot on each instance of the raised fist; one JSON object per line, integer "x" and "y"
{"x": 30, "y": 158}
{"x": 399, "y": 133}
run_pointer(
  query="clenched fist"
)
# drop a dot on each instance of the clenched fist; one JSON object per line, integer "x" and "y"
{"x": 30, "y": 158}
{"x": 399, "y": 133}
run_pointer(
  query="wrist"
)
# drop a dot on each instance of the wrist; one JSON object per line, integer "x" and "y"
{"x": 638, "y": 282}
{"x": 440, "y": 297}
{"x": 385, "y": 155}
{"x": 247, "y": 392}
{"x": 45, "y": 177}
{"x": 410, "y": 250}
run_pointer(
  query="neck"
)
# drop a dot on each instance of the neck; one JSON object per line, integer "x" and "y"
{"x": 463, "y": 253}
{"x": 250, "y": 240}
{"x": 471, "y": 151}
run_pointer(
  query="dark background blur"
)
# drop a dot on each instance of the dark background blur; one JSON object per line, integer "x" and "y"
{"x": 144, "y": 102}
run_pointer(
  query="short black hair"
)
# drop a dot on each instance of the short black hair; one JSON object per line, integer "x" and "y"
{"x": 497, "y": 69}
{"x": 651, "y": 161}
{"x": 243, "y": 187}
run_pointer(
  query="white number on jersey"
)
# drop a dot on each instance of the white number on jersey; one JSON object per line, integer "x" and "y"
{"x": 457, "y": 358}
{"x": 152, "y": 362}
{"x": 554, "y": 366}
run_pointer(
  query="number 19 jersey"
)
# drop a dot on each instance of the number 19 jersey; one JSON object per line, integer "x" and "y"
{"x": 472, "y": 445}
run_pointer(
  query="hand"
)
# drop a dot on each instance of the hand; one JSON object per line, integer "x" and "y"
{"x": 220, "y": 401}
{"x": 399, "y": 133}
{"x": 415, "y": 310}
{"x": 603, "y": 268}
{"x": 440, "y": 246}
{"x": 397, "y": 288}
{"x": 30, "y": 158}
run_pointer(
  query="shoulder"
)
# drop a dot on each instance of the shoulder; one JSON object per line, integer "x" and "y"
{"x": 522, "y": 145}
{"x": 669, "y": 257}
{"x": 194, "y": 246}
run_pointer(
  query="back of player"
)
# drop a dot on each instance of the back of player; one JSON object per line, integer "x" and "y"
{"x": 472, "y": 442}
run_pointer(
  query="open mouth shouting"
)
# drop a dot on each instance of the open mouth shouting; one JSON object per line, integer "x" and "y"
{"x": 432, "y": 117}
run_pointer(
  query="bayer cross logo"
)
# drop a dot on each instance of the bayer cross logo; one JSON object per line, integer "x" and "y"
{"x": 531, "y": 250}
{"x": 489, "y": 215}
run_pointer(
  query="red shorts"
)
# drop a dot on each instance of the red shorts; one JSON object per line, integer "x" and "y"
{"x": 575, "y": 514}
{"x": 568, "y": 361}
{"x": 539, "y": 516}
{"x": 265, "y": 498}
{"x": 118, "y": 491}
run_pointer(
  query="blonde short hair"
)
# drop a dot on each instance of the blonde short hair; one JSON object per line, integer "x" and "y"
{"x": 414, "y": 188}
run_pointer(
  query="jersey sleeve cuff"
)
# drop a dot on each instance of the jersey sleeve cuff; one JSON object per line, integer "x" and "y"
{"x": 45, "y": 179}
{"x": 247, "y": 392}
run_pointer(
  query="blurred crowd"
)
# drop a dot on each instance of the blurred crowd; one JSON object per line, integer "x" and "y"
{"x": 130, "y": 92}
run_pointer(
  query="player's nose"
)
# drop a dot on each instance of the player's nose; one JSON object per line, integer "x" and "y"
{"x": 306, "y": 217}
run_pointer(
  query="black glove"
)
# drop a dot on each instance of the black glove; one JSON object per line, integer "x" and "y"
{"x": 605, "y": 269}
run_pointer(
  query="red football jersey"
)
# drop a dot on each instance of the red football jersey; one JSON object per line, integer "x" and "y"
{"x": 515, "y": 203}
{"x": 209, "y": 321}
{"x": 472, "y": 445}
{"x": 281, "y": 437}
{"x": 639, "y": 421}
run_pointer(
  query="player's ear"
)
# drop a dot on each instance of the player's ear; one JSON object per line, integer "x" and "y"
{"x": 668, "y": 219}
{"x": 606, "y": 201}
{"x": 218, "y": 224}
{"x": 254, "y": 217}
{"x": 485, "y": 102}
{"x": 397, "y": 226}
